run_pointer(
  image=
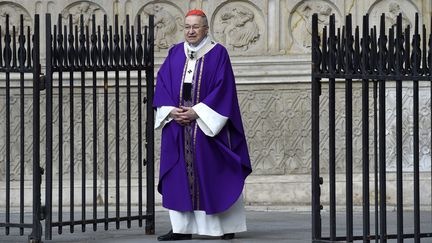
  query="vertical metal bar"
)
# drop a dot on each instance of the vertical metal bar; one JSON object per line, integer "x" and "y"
{"x": 87, "y": 46}
{"x": 48, "y": 130}
{"x": 416, "y": 165}
{"x": 365, "y": 129}
{"x": 399, "y": 142}
{"x": 324, "y": 68}
{"x": 29, "y": 52}
{"x": 122, "y": 50}
{"x": 133, "y": 50}
{"x": 14, "y": 50}
{"x": 106, "y": 56}
{"x": 150, "y": 221}
{"x": 375, "y": 97}
{"x": 117, "y": 54}
{"x": 1, "y": 47}
{"x": 348, "y": 131}
{"x": 427, "y": 72}
{"x": 332, "y": 127}
{"x": 139, "y": 102}
{"x": 71, "y": 56}
{"x": 111, "y": 46}
{"x": 316, "y": 214}
{"x": 99, "y": 45}
{"x": 21, "y": 60}
{"x": 36, "y": 233}
{"x": 146, "y": 29}
{"x": 7, "y": 59}
{"x": 62, "y": 59}
{"x": 416, "y": 55}
{"x": 82, "y": 52}
{"x": 95, "y": 55}
{"x": 128, "y": 119}
{"x": 382, "y": 136}
{"x": 429, "y": 69}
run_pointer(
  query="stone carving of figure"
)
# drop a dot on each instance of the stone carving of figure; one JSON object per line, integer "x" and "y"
{"x": 240, "y": 30}
{"x": 165, "y": 28}
{"x": 324, "y": 11}
{"x": 14, "y": 12}
{"x": 394, "y": 10}
{"x": 87, "y": 9}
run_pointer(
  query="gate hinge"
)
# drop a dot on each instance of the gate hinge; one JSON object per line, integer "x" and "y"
{"x": 144, "y": 162}
{"x": 42, "y": 212}
{"x": 42, "y": 81}
{"x": 145, "y": 100}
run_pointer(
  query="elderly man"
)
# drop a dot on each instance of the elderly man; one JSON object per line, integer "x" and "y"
{"x": 204, "y": 157}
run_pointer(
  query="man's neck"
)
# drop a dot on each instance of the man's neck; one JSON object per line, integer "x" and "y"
{"x": 200, "y": 44}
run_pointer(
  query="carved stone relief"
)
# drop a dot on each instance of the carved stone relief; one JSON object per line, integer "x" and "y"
{"x": 168, "y": 23}
{"x": 14, "y": 11}
{"x": 276, "y": 129}
{"x": 407, "y": 129}
{"x": 300, "y": 22}
{"x": 391, "y": 9}
{"x": 239, "y": 26}
{"x": 87, "y": 9}
{"x": 15, "y": 132}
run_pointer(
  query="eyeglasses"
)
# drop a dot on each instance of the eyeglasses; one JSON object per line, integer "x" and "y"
{"x": 193, "y": 27}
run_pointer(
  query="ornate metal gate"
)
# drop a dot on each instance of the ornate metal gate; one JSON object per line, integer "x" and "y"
{"x": 370, "y": 61}
{"x": 92, "y": 102}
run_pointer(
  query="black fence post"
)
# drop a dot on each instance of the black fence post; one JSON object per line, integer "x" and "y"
{"x": 382, "y": 130}
{"x": 150, "y": 222}
{"x": 316, "y": 90}
{"x": 36, "y": 234}
{"x": 349, "y": 127}
{"x": 49, "y": 131}
{"x": 332, "y": 126}
{"x": 365, "y": 42}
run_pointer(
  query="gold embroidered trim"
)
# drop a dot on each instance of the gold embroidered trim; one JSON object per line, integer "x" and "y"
{"x": 196, "y": 124}
{"x": 198, "y": 93}
{"x": 199, "y": 80}
{"x": 181, "y": 85}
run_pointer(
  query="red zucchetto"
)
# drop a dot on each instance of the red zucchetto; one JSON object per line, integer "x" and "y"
{"x": 196, "y": 12}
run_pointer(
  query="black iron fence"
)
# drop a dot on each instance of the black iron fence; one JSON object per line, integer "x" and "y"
{"x": 92, "y": 125}
{"x": 370, "y": 60}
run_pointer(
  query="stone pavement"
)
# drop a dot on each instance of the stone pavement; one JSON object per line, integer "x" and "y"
{"x": 291, "y": 227}
{"x": 263, "y": 226}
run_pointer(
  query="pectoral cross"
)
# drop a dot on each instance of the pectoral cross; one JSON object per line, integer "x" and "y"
{"x": 192, "y": 55}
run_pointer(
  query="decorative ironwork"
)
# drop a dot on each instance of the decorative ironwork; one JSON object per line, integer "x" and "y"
{"x": 393, "y": 55}
{"x": 75, "y": 52}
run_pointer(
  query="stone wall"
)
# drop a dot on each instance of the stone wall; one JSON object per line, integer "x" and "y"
{"x": 269, "y": 43}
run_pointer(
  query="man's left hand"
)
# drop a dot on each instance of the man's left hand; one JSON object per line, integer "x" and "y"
{"x": 188, "y": 115}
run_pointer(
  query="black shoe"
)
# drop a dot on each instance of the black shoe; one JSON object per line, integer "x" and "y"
{"x": 170, "y": 236}
{"x": 229, "y": 236}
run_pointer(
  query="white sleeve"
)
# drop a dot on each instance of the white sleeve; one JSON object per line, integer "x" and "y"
{"x": 209, "y": 120}
{"x": 162, "y": 116}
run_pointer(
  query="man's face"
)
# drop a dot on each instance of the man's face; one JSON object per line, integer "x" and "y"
{"x": 195, "y": 29}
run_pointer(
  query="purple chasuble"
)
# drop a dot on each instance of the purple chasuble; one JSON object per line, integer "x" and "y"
{"x": 221, "y": 163}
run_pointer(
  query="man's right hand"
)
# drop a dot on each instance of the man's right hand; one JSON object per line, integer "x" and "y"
{"x": 178, "y": 115}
